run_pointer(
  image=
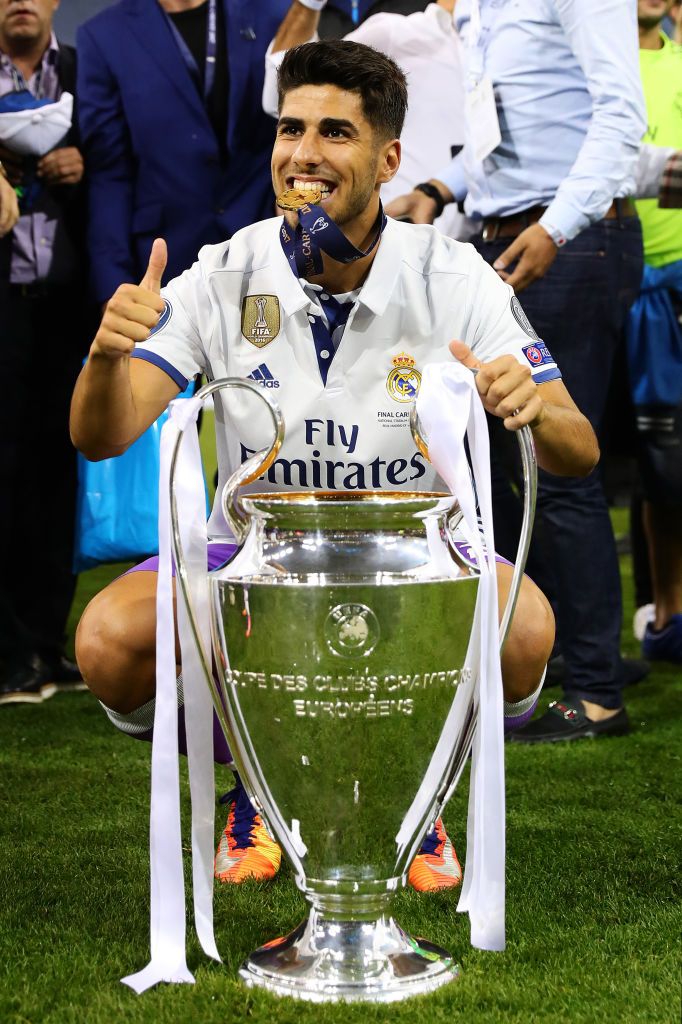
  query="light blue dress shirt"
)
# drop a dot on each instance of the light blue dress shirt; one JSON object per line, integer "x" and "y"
{"x": 570, "y": 106}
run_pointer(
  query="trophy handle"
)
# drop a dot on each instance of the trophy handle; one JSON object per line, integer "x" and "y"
{"x": 247, "y": 472}
{"x": 530, "y": 486}
{"x": 254, "y": 466}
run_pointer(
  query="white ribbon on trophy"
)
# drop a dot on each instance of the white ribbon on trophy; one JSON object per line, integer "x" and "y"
{"x": 167, "y": 926}
{"x": 448, "y": 407}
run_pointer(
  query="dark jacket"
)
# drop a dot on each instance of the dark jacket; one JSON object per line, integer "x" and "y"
{"x": 153, "y": 158}
{"x": 71, "y": 198}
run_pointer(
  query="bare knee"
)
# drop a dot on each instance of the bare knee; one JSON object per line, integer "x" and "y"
{"x": 529, "y": 643}
{"x": 115, "y": 642}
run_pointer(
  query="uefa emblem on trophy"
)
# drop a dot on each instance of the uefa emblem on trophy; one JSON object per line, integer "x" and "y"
{"x": 342, "y": 638}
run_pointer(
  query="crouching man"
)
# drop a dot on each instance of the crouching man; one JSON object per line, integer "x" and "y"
{"x": 326, "y": 304}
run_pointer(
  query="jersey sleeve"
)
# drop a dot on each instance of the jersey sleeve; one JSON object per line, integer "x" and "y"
{"x": 174, "y": 344}
{"x": 497, "y": 325}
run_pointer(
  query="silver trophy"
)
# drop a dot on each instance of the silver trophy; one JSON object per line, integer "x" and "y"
{"x": 338, "y": 659}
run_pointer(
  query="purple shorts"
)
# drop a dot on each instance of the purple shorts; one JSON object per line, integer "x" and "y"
{"x": 217, "y": 556}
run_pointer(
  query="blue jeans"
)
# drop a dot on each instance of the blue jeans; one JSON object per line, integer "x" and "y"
{"x": 578, "y": 308}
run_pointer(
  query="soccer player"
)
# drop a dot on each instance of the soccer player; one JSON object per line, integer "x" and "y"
{"x": 325, "y": 305}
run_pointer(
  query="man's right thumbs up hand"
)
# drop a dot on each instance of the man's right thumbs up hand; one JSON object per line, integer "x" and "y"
{"x": 133, "y": 310}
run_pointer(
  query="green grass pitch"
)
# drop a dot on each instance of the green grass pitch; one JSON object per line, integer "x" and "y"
{"x": 593, "y": 911}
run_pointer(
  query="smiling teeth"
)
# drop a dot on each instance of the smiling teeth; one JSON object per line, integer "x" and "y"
{"x": 312, "y": 186}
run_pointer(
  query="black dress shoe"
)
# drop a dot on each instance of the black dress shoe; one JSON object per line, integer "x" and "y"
{"x": 568, "y": 721}
{"x": 26, "y": 680}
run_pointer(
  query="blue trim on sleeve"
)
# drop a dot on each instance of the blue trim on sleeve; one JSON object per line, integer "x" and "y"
{"x": 552, "y": 374}
{"x": 157, "y": 360}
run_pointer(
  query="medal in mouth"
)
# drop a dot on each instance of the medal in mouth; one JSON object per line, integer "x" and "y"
{"x": 295, "y": 198}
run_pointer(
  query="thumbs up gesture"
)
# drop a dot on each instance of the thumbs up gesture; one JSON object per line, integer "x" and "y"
{"x": 133, "y": 310}
{"x": 507, "y": 388}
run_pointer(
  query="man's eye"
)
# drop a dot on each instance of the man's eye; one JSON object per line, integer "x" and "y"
{"x": 288, "y": 129}
{"x": 336, "y": 133}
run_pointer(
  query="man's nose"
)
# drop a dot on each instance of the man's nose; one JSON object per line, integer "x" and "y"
{"x": 307, "y": 152}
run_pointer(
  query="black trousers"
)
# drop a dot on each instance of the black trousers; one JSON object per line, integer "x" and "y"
{"x": 43, "y": 338}
{"x": 578, "y": 309}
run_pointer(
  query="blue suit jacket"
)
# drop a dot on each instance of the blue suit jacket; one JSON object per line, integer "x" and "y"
{"x": 151, "y": 153}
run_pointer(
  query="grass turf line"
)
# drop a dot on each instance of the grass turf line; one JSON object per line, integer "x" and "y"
{"x": 593, "y": 882}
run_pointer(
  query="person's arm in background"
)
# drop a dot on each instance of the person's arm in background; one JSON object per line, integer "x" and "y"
{"x": 299, "y": 26}
{"x": 420, "y": 208}
{"x": 108, "y": 157}
{"x": 9, "y": 205}
{"x": 603, "y": 37}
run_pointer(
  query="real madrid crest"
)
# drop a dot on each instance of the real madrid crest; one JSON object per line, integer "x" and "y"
{"x": 260, "y": 319}
{"x": 403, "y": 381}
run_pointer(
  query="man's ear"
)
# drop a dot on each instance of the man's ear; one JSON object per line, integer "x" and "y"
{"x": 389, "y": 161}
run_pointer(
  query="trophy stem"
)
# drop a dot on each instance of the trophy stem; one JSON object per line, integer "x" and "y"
{"x": 349, "y": 949}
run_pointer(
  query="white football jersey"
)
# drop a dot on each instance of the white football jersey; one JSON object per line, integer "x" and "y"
{"x": 241, "y": 312}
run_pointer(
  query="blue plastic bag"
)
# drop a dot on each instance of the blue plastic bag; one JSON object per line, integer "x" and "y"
{"x": 117, "y": 508}
{"x": 654, "y": 339}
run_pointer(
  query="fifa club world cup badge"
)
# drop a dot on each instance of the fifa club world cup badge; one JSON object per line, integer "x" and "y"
{"x": 260, "y": 319}
{"x": 403, "y": 380}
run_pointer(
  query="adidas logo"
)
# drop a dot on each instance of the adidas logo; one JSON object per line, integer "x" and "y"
{"x": 262, "y": 376}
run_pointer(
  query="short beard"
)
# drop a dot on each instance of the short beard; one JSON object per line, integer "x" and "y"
{"x": 648, "y": 23}
{"x": 359, "y": 199}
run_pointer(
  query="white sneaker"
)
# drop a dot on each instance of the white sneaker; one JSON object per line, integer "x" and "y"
{"x": 643, "y": 616}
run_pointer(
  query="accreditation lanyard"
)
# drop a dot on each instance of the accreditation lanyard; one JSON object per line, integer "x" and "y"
{"x": 211, "y": 49}
{"x": 316, "y": 233}
{"x": 475, "y": 59}
{"x": 482, "y": 122}
{"x": 21, "y": 85}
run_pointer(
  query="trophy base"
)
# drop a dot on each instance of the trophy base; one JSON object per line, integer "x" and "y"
{"x": 332, "y": 961}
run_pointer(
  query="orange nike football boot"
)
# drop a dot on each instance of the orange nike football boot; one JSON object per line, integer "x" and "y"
{"x": 436, "y": 866}
{"x": 246, "y": 849}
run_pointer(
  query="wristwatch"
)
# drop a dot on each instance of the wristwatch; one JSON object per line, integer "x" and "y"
{"x": 433, "y": 193}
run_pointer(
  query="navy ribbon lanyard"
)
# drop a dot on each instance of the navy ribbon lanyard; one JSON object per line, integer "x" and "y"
{"x": 314, "y": 234}
{"x": 317, "y": 233}
{"x": 211, "y": 49}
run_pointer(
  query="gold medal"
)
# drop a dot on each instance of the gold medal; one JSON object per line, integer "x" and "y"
{"x": 295, "y": 198}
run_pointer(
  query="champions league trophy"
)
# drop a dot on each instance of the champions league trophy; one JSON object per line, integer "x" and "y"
{"x": 339, "y": 646}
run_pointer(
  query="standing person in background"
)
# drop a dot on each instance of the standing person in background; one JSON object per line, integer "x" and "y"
{"x": 655, "y": 346}
{"x": 175, "y": 138}
{"x": 44, "y": 338}
{"x": 339, "y": 17}
{"x": 426, "y": 47}
{"x": 549, "y": 164}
